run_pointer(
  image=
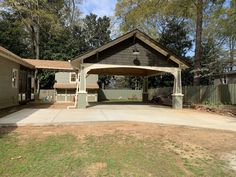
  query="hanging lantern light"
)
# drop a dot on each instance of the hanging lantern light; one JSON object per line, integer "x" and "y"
{"x": 135, "y": 51}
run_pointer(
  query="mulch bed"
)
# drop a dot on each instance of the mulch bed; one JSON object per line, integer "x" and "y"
{"x": 229, "y": 111}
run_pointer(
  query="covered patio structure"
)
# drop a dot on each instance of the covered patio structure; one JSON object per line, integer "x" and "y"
{"x": 133, "y": 54}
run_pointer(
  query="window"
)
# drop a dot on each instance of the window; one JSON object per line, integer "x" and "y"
{"x": 14, "y": 78}
{"x": 73, "y": 77}
{"x": 224, "y": 80}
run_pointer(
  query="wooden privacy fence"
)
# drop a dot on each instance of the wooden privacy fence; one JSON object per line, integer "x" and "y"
{"x": 212, "y": 94}
{"x": 220, "y": 94}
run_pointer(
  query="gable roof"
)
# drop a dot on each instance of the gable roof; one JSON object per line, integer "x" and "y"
{"x": 13, "y": 57}
{"x": 144, "y": 38}
{"x": 50, "y": 64}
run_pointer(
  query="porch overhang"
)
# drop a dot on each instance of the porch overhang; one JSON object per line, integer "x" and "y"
{"x": 132, "y": 70}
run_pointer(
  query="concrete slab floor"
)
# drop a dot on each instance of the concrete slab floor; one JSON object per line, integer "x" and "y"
{"x": 119, "y": 112}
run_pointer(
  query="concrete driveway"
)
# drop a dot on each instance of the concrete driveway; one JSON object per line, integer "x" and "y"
{"x": 110, "y": 113}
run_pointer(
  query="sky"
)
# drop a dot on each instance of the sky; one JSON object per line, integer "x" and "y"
{"x": 98, "y": 7}
{"x": 101, "y": 8}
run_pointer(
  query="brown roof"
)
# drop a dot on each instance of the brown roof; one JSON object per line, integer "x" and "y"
{"x": 33, "y": 63}
{"x": 50, "y": 64}
{"x": 13, "y": 57}
{"x": 73, "y": 86}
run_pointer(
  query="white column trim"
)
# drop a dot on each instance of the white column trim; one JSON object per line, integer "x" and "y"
{"x": 172, "y": 70}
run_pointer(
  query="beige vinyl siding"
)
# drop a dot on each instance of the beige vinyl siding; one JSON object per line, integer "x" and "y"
{"x": 8, "y": 94}
{"x": 92, "y": 79}
{"x": 62, "y": 77}
{"x": 68, "y": 95}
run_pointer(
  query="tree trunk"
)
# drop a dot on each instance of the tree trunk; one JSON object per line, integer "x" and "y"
{"x": 37, "y": 43}
{"x": 37, "y": 33}
{"x": 33, "y": 40}
{"x": 198, "y": 43}
{"x": 73, "y": 12}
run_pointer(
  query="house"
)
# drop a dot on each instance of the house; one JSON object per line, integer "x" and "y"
{"x": 16, "y": 78}
{"x": 19, "y": 82}
{"x": 225, "y": 78}
{"x": 65, "y": 86}
{"x": 228, "y": 76}
{"x": 66, "y": 79}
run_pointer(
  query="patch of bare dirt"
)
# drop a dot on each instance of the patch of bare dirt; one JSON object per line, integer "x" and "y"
{"x": 231, "y": 111}
{"x": 216, "y": 140}
{"x": 94, "y": 168}
{"x": 190, "y": 143}
{"x": 231, "y": 158}
{"x": 188, "y": 151}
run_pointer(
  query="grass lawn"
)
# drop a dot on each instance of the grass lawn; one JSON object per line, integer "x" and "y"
{"x": 108, "y": 154}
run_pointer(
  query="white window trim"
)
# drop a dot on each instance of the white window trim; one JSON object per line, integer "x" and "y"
{"x": 225, "y": 80}
{"x": 75, "y": 78}
{"x": 15, "y": 78}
